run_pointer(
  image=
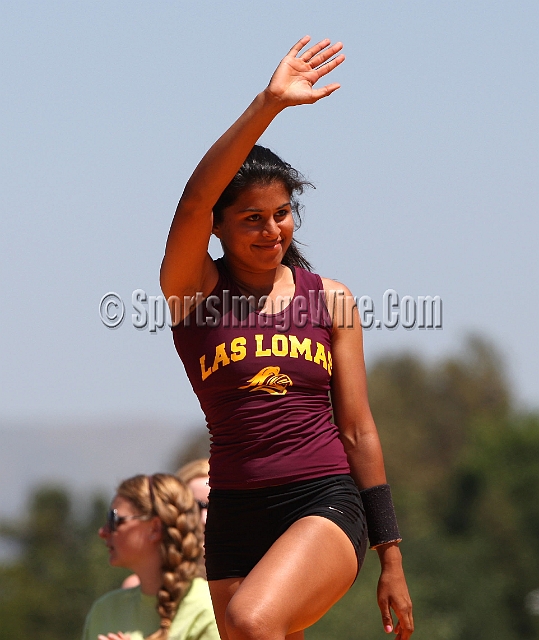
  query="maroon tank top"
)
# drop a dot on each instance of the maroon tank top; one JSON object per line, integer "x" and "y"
{"x": 262, "y": 381}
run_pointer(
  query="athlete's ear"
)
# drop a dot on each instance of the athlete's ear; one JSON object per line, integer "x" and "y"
{"x": 215, "y": 228}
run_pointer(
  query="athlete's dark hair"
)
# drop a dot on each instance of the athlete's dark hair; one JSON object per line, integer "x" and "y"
{"x": 263, "y": 167}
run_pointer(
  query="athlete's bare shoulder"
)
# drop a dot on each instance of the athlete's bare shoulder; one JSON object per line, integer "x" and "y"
{"x": 335, "y": 286}
{"x": 340, "y": 302}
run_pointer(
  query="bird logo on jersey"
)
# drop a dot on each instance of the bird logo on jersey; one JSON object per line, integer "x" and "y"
{"x": 269, "y": 379}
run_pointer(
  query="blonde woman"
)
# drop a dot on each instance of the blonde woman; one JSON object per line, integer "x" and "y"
{"x": 195, "y": 475}
{"x": 153, "y": 528}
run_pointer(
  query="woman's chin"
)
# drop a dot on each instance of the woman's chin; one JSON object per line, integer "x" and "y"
{"x": 258, "y": 263}
{"x": 270, "y": 257}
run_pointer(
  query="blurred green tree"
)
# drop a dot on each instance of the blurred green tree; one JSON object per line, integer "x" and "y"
{"x": 465, "y": 473}
{"x": 60, "y": 568}
{"x": 464, "y": 466}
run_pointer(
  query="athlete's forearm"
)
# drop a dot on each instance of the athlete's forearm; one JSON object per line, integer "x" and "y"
{"x": 222, "y": 161}
{"x": 184, "y": 266}
{"x": 364, "y": 453}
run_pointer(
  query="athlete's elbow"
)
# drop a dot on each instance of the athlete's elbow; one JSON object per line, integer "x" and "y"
{"x": 356, "y": 436}
{"x": 350, "y": 439}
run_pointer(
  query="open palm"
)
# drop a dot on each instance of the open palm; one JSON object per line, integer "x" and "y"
{"x": 294, "y": 79}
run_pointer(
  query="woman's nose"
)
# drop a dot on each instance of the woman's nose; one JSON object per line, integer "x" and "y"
{"x": 271, "y": 228}
{"x": 103, "y": 532}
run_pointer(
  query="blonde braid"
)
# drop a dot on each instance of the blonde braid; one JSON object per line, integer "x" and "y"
{"x": 172, "y": 502}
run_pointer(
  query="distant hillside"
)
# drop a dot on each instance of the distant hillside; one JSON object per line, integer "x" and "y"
{"x": 83, "y": 458}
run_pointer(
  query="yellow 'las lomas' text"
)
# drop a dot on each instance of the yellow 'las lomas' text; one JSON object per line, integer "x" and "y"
{"x": 280, "y": 346}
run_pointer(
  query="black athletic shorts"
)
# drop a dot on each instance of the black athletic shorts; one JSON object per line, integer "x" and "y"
{"x": 243, "y": 524}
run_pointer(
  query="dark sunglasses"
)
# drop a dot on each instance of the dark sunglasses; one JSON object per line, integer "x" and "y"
{"x": 201, "y": 504}
{"x": 114, "y": 520}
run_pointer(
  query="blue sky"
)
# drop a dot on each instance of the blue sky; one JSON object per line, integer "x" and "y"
{"x": 425, "y": 163}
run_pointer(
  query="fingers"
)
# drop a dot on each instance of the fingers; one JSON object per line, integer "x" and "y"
{"x": 387, "y": 620}
{"x": 324, "y": 92}
{"x": 325, "y": 54}
{"x": 308, "y": 55}
{"x": 299, "y": 46}
{"x": 329, "y": 66}
{"x": 318, "y": 54}
{"x": 294, "y": 79}
{"x": 323, "y": 59}
{"x": 405, "y": 625}
{"x": 393, "y": 595}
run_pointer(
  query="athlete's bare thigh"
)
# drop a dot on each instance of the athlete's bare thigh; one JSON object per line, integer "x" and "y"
{"x": 301, "y": 576}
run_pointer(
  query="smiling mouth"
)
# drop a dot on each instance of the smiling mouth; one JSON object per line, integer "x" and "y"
{"x": 273, "y": 245}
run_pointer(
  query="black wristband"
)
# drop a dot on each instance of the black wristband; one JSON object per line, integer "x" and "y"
{"x": 382, "y": 524}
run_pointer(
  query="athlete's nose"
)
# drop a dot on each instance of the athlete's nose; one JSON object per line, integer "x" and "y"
{"x": 271, "y": 229}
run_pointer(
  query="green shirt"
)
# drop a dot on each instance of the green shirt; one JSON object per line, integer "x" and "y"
{"x": 132, "y": 612}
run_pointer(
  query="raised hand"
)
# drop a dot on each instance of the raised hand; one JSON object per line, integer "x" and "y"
{"x": 294, "y": 79}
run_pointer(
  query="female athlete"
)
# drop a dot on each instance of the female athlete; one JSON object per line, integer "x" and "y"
{"x": 264, "y": 341}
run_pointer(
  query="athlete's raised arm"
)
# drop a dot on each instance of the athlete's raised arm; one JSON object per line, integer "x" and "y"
{"x": 187, "y": 267}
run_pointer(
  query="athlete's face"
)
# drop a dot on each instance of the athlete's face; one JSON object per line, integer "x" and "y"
{"x": 257, "y": 229}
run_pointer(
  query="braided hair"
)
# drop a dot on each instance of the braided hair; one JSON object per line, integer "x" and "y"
{"x": 168, "y": 498}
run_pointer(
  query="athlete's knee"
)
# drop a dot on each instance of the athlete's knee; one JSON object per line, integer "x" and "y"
{"x": 244, "y": 622}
